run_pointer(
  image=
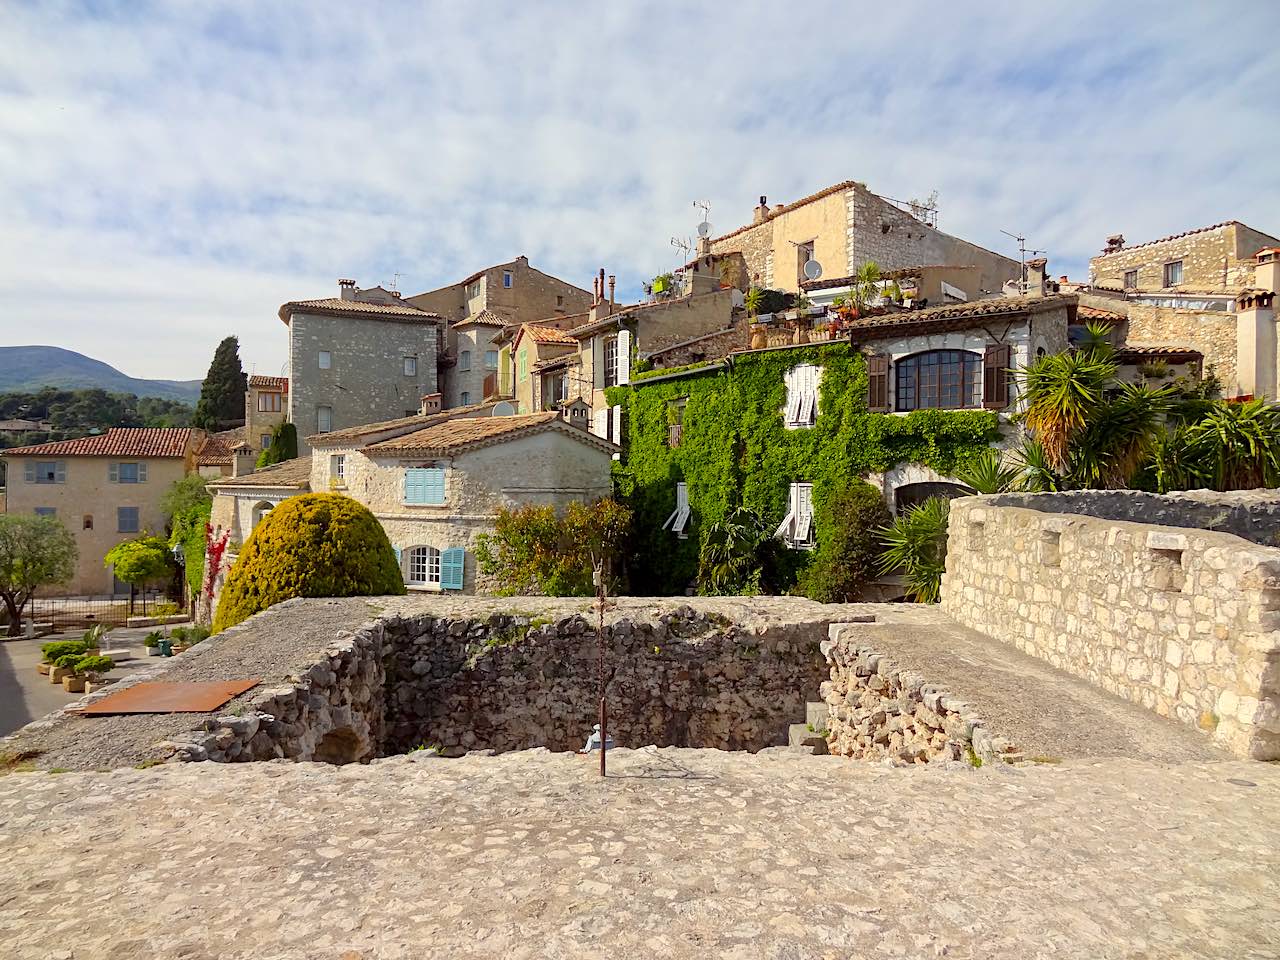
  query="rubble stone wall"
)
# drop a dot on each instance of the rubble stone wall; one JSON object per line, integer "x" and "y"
{"x": 1185, "y": 622}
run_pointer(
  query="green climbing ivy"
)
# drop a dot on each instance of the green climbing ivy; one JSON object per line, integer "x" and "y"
{"x": 735, "y": 451}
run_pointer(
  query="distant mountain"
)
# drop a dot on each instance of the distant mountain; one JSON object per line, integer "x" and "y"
{"x": 30, "y": 368}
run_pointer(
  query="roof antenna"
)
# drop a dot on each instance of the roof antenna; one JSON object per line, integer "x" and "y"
{"x": 704, "y": 228}
{"x": 1023, "y": 282}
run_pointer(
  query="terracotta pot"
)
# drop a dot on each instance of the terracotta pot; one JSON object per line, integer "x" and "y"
{"x": 759, "y": 336}
{"x": 43, "y": 667}
{"x": 181, "y": 648}
{"x": 57, "y": 673}
{"x": 73, "y": 683}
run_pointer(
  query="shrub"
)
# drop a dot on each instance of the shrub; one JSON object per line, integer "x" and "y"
{"x": 313, "y": 545}
{"x": 140, "y": 561}
{"x": 178, "y": 634}
{"x": 152, "y": 639}
{"x": 68, "y": 661}
{"x": 283, "y": 446}
{"x": 61, "y": 648}
{"x": 738, "y": 555}
{"x": 849, "y": 547}
{"x": 94, "y": 665}
{"x": 916, "y": 545}
{"x": 534, "y": 551}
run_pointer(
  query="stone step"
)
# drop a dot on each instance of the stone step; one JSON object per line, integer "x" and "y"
{"x": 817, "y": 713}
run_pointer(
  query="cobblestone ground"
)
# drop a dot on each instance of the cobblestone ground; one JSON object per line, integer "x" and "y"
{"x": 681, "y": 853}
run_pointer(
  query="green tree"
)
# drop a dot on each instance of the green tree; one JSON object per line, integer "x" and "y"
{"x": 34, "y": 552}
{"x": 222, "y": 393}
{"x": 865, "y": 285}
{"x": 533, "y": 550}
{"x": 849, "y": 546}
{"x": 140, "y": 561}
{"x": 738, "y": 555}
{"x": 312, "y": 545}
{"x": 187, "y": 506}
{"x": 283, "y": 445}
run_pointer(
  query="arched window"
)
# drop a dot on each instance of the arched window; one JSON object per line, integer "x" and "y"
{"x": 913, "y": 494}
{"x": 939, "y": 379}
{"x": 423, "y": 566}
{"x": 260, "y": 510}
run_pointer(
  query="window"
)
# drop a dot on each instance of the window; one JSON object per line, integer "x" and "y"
{"x": 464, "y": 360}
{"x": 270, "y": 402}
{"x": 675, "y": 421}
{"x": 46, "y": 511}
{"x": 523, "y": 364}
{"x": 127, "y": 472}
{"x": 260, "y": 510}
{"x": 410, "y": 366}
{"x": 804, "y": 253}
{"x": 424, "y": 566}
{"x": 46, "y": 471}
{"x": 610, "y": 352}
{"x": 338, "y": 468}
{"x": 465, "y": 398}
{"x": 326, "y": 360}
{"x": 559, "y": 302}
{"x": 939, "y": 379}
{"x": 802, "y": 395}
{"x": 508, "y": 279}
{"x": 87, "y": 522}
{"x": 127, "y": 519}
{"x": 1173, "y": 273}
{"x": 324, "y": 419}
{"x": 473, "y": 290}
{"x": 797, "y": 528}
{"x": 491, "y": 359}
{"x": 678, "y": 522}
{"x": 424, "y": 485}
{"x": 265, "y": 440}
{"x": 1131, "y": 279}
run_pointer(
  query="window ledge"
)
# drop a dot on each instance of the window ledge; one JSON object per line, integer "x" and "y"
{"x": 437, "y": 506}
{"x": 424, "y": 587}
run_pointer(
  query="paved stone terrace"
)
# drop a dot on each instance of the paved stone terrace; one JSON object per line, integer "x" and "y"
{"x": 678, "y": 854}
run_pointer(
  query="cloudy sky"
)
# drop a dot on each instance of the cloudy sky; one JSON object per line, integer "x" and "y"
{"x": 171, "y": 173}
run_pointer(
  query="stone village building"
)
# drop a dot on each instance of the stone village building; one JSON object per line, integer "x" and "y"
{"x": 1204, "y": 295}
{"x": 104, "y": 488}
{"x": 266, "y": 405}
{"x": 434, "y": 481}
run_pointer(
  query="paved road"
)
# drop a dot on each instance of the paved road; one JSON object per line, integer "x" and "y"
{"x": 680, "y": 854}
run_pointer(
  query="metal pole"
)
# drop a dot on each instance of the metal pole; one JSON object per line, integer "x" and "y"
{"x": 604, "y": 710}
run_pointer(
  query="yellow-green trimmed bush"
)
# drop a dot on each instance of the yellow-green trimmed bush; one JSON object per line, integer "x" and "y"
{"x": 313, "y": 545}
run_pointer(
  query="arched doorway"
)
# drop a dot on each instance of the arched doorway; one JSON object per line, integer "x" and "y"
{"x": 260, "y": 510}
{"x": 913, "y": 494}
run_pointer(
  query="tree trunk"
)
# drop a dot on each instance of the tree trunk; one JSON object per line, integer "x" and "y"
{"x": 14, "y": 610}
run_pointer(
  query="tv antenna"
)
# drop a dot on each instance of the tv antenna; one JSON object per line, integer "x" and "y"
{"x": 704, "y": 228}
{"x": 395, "y": 283}
{"x": 684, "y": 246}
{"x": 1022, "y": 257}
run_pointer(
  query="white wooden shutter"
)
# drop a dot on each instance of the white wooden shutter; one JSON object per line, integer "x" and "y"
{"x": 624, "y": 356}
{"x": 784, "y": 528}
{"x": 817, "y": 382}
{"x": 682, "y": 508}
{"x": 60, "y": 472}
{"x": 617, "y": 424}
{"x": 600, "y": 422}
{"x": 113, "y": 472}
{"x": 804, "y": 511}
{"x": 597, "y": 363}
{"x": 142, "y": 471}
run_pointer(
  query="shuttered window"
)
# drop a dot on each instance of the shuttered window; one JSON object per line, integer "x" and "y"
{"x": 802, "y": 395}
{"x": 878, "y": 383}
{"x": 424, "y": 566}
{"x": 424, "y": 485}
{"x": 995, "y": 376}
{"x": 452, "y": 568}
{"x": 797, "y": 527}
{"x": 678, "y": 522}
{"x": 46, "y": 471}
{"x": 939, "y": 380}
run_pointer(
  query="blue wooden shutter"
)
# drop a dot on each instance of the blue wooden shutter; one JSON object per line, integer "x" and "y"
{"x": 433, "y": 485}
{"x": 413, "y": 491}
{"x": 451, "y": 568}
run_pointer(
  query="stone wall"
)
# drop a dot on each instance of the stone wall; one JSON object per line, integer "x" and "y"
{"x": 1185, "y": 622}
{"x": 1212, "y": 332}
{"x": 1220, "y": 258}
{"x": 878, "y": 710}
{"x": 709, "y": 346}
{"x": 681, "y": 677}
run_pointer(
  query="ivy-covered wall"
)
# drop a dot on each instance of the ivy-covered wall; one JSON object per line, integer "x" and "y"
{"x": 735, "y": 450}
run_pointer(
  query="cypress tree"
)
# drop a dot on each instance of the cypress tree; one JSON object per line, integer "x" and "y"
{"x": 222, "y": 394}
{"x": 283, "y": 446}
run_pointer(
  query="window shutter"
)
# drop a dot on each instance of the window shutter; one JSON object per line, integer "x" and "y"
{"x": 601, "y": 418}
{"x": 451, "y": 568}
{"x": 784, "y": 528}
{"x": 60, "y": 472}
{"x": 30, "y": 471}
{"x": 995, "y": 376}
{"x": 412, "y": 489}
{"x": 113, "y": 473}
{"x": 142, "y": 472}
{"x": 624, "y": 356}
{"x": 878, "y": 383}
{"x": 617, "y": 425}
{"x": 433, "y": 482}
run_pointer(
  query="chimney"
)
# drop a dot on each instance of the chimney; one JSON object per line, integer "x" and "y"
{"x": 1266, "y": 274}
{"x": 1114, "y": 242}
{"x": 601, "y": 278}
{"x": 243, "y": 461}
{"x": 761, "y": 211}
{"x": 430, "y": 404}
{"x": 777, "y": 208}
{"x": 595, "y": 289}
{"x": 1036, "y": 276}
{"x": 1256, "y": 344}
{"x": 1063, "y": 279}
{"x": 612, "y": 283}
{"x": 346, "y": 289}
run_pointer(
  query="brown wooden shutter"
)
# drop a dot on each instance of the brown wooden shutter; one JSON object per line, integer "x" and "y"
{"x": 878, "y": 383}
{"x": 995, "y": 376}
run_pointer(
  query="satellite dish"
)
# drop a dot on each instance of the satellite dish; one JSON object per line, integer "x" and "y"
{"x": 812, "y": 269}
{"x": 704, "y": 229}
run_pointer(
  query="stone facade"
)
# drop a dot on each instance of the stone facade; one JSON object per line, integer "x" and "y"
{"x": 266, "y": 404}
{"x": 1214, "y": 259}
{"x": 366, "y": 380}
{"x": 708, "y": 346}
{"x": 876, "y": 710}
{"x": 1182, "y": 621}
{"x": 848, "y": 225}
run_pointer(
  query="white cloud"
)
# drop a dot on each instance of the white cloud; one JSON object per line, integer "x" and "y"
{"x": 173, "y": 173}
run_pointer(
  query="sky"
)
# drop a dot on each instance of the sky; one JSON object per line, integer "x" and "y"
{"x": 170, "y": 173}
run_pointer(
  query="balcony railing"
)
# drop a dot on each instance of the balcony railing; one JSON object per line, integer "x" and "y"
{"x": 674, "y": 433}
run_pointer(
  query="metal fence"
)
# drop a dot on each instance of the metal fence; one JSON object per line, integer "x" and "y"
{"x": 68, "y": 612}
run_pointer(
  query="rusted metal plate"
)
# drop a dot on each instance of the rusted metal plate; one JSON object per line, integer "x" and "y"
{"x": 161, "y": 697}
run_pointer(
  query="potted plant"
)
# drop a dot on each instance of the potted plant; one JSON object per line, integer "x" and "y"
{"x": 178, "y": 638}
{"x": 64, "y": 666}
{"x": 152, "y": 642}
{"x": 801, "y": 323}
{"x": 93, "y": 638}
{"x": 88, "y": 673}
{"x": 58, "y": 648}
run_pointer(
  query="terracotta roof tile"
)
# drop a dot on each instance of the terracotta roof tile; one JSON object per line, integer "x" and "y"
{"x": 1172, "y": 236}
{"x": 541, "y": 334}
{"x": 294, "y": 474}
{"x": 216, "y": 450}
{"x": 904, "y": 273}
{"x": 142, "y": 442}
{"x": 416, "y": 421}
{"x": 337, "y": 306}
{"x": 485, "y": 318}
{"x": 457, "y": 434}
{"x": 269, "y": 383}
{"x": 553, "y": 362}
{"x": 953, "y": 315}
{"x": 1137, "y": 353}
{"x": 1098, "y": 315}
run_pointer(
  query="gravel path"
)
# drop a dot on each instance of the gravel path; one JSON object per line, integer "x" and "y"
{"x": 679, "y": 854}
{"x": 1047, "y": 712}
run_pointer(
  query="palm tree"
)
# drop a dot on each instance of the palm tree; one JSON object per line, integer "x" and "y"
{"x": 916, "y": 544}
{"x": 1237, "y": 445}
{"x": 987, "y": 473}
{"x": 1063, "y": 392}
{"x": 865, "y": 284}
{"x": 752, "y": 301}
{"x": 1035, "y": 474}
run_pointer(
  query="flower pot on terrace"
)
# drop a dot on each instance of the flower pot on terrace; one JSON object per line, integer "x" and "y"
{"x": 759, "y": 336}
{"x": 73, "y": 683}
{"x": 93, "y": 686}
{"x": 57, "y": 673}
{"x": 43, "y": 667}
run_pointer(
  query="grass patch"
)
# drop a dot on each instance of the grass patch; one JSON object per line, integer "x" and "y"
{"x": 972, "y": 758}
{"x": 148, "y": 764}
{"x": 1044, "y": 759}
